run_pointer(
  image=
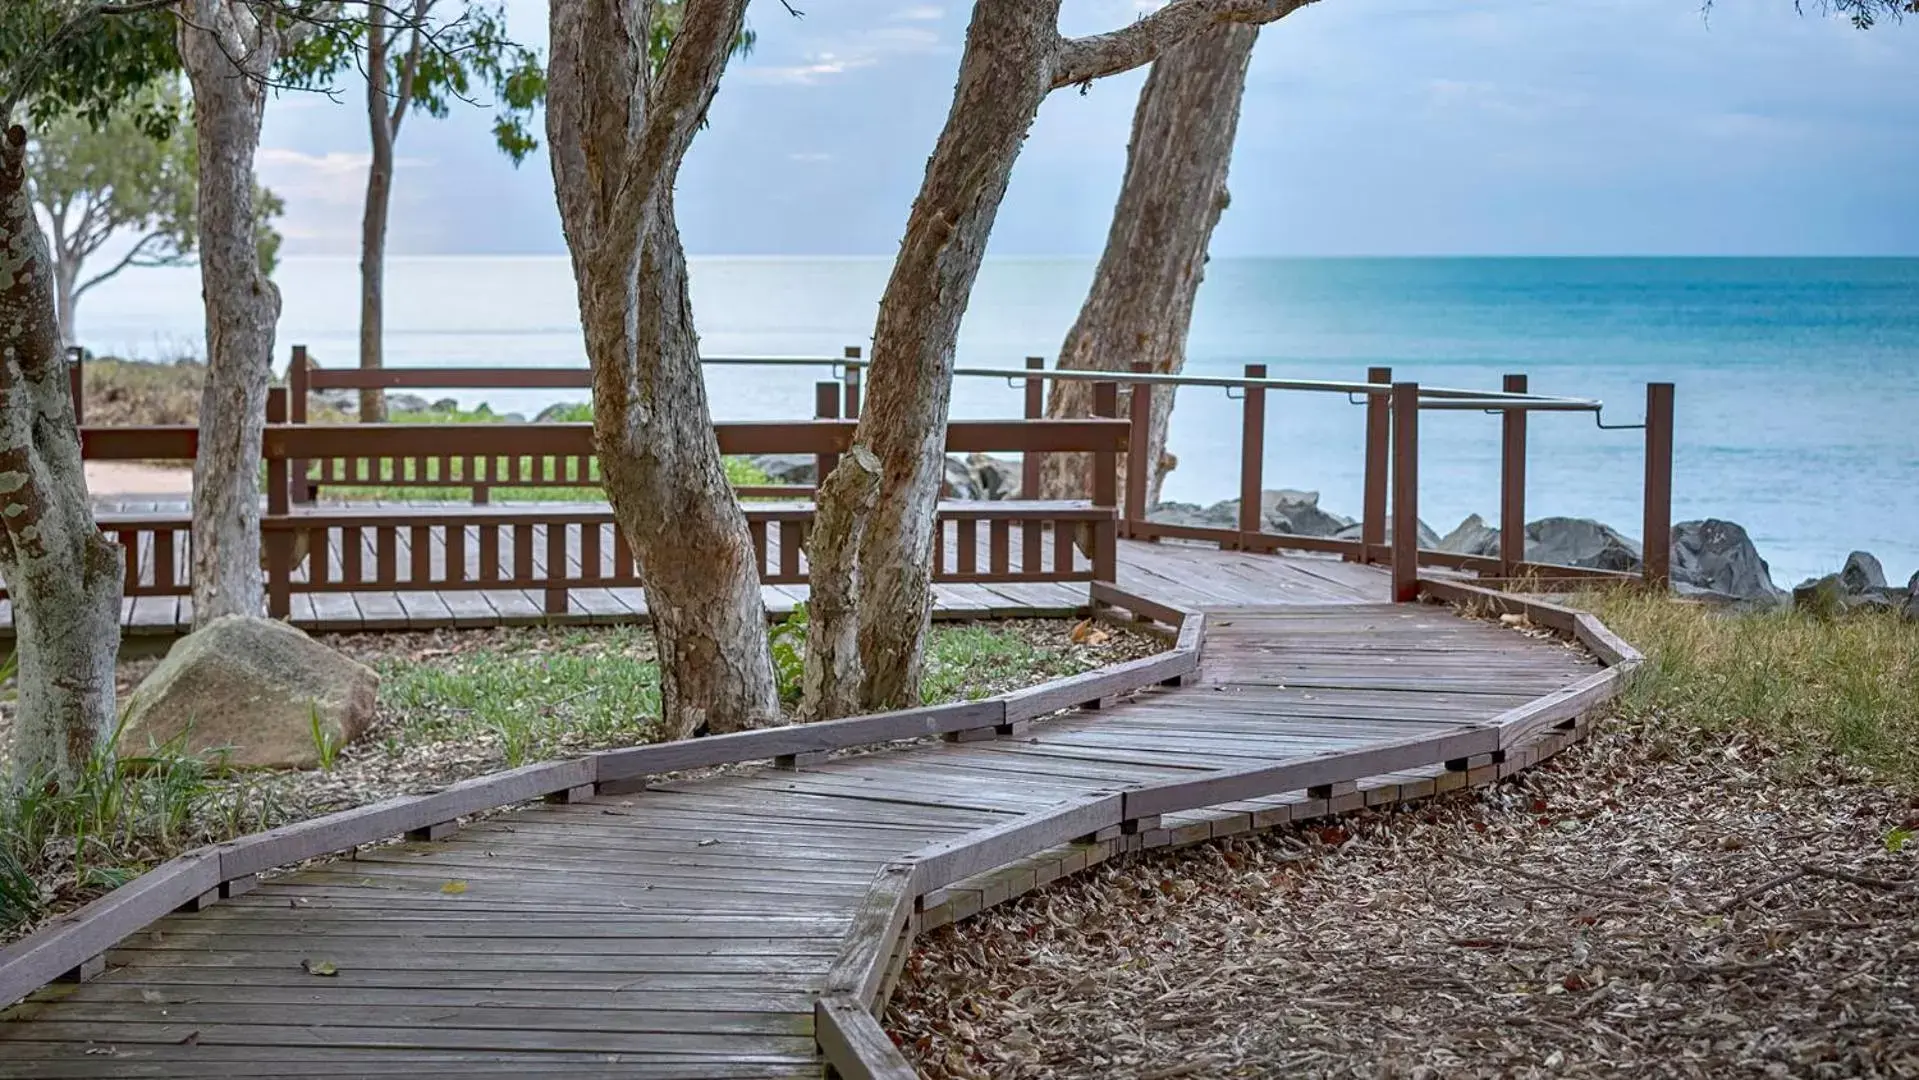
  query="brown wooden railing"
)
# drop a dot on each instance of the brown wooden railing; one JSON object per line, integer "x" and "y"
{"x": 489, "y": 456}
{"x": 555, "y": 548}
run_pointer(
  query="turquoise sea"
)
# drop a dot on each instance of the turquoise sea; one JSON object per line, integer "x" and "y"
{"x": 1798, "y": 379}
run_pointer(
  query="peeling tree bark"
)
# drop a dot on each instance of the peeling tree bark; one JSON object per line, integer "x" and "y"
{"x": 617, "y": 137}
{"x": 228, "y": 52}
{"x": 62, "y": 576}
{"x": 830, "y": 682}
{"x": 1014, "y": 56}
{"x": 1140, "y": 306}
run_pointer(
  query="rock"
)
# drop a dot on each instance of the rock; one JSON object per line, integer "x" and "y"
{"x": 1580, "y": 542}
{"x": 1472, "y": 537}
{"x": 1910, "y": 609}
{"x": 1427, "y": 537}
{"x": 786, "y": 468}
{"x": 959, "y": 482}
{"x": 405, "y": 403}
{"x": 994, "y": 478}
{"x": 250, "y": 688}
{"x": 1296, "y": 512}
{"x": 1220, "y": 515}
{"x": 1862, "y": 573}
{"x": 1823, "y": 597}
{"x": 1718, "y": 557}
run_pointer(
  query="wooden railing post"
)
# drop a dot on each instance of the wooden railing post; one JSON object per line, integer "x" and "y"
{"x": 1512, "y": 484}
{"x": 1139, "y": 441}
{"x": 77, "y": 383}
{"x": 556, "y": 568}
{"x": 1379, "y": 439}
{"x": 826, "y": 406}
{"x": 1658, "y": 528}
{"x": 1101, "y": 547}
{"x": 852, "y": 379}
{"x": 1252, "y": 453}
{"x": 1405, "y": 531}
{"x": 1029, "y": 461}
{"x": 298, "y": 393}
{"x": 279, "y": 542}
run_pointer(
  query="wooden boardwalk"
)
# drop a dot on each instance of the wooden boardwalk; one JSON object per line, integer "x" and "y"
{"x": 1180, "y": 574}
{"x": 689, "y": 929}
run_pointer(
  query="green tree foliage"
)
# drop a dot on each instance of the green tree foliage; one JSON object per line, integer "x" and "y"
{"x": 133, "y": 174}
{"x": 450, "y": 59}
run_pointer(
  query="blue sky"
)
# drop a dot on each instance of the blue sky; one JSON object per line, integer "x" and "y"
{"x": 1391, "y": 127}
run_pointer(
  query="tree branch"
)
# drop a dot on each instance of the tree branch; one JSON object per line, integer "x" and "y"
{"x": 131, "y": 258}
{"x": 1083, "y": 59}
{"x": 409, "y": 69}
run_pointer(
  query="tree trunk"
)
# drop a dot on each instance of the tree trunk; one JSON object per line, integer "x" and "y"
{"x": 62, "y": 575}
{"x": 1014, "y": 57}
{"x": 379, "y": 196}
{"x": 1140, "y": 306}
{"x": 228, "y": 54}
{"x": 830, "y": 682}
{"x": 617, "y": 139}
{"x": 1004, "y": 75}
{"x": 65, "y": 277}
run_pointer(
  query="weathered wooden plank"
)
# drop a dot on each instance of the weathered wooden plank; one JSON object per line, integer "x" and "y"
{"x": 854, "y": 1044}
{"x": 71, "y": 940}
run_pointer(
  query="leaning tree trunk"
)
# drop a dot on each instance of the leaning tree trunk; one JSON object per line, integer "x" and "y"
{"x": 228, "y": 54}
{"x": 1141, "y": 302}
{"x": 62, "y": 575}
{"x": 1014, "y": 56}
{"x": 617, "y": 139}
{"x": 1004, "y": 75}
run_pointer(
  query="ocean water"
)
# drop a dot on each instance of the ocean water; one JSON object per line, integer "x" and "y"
{"x": 1797, "y": 399}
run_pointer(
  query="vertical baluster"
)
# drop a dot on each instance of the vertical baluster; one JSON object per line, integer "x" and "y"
{"x": 1379, "y": 450}
{"x": 1512, "y": 483}
{"x": 1252, "y": 454}
{"x": 1658, "y": 523}
{"x": 999, "y": 561}
{"x": 1405, "y": 531}
{"x": 968, "y": 543}
{"x": 352, "y": 545}
{"x": 421, "y": 572}
{"x": 557, "y": 570}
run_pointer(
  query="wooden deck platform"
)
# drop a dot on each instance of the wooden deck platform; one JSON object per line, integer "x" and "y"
{"x": 1182, "y": 574}
{"x": 688, "y": 930}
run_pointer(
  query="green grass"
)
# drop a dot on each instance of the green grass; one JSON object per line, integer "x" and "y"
{"x": 1814, "y": 689}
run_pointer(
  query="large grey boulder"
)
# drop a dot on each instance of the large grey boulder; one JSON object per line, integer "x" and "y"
{"x": 1862, "y": 573}
{"x": 1824, "y": 597}
{"x": 1910, "y": 609}
{"x": 786, "y": 468}
{"x": 1560, "y": 541}
{"x": 251, "y": 689}
{"x": 1284, "y": 510}
{"x": 1427, "y": 537}
{"x": 1220, "y": 515}
{"x": 1472, "y": 537}
{"x": 1718, "y": 557}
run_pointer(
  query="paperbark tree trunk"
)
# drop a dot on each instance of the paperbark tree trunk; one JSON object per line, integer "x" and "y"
{"x": 228, "y": 51}
{"x": 64, "y": 280}
{"x": 62, "y": 575}
{"x": 1140, "y": 306}
{"x": 1014, "y": 57}
{"x": 617, "y": 137}
{"x": 373, "y": 223}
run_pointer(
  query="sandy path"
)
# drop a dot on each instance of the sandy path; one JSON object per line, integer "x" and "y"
{"x": 129, "y": 478}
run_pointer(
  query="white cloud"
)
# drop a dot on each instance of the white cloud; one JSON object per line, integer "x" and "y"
{"x": 863, "y": 50}
{"x": 810, "y": 157}
{"x": 918, "y": 13}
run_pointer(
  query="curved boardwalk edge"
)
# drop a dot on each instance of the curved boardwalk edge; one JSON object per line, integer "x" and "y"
{"x": 915, "y": 893}
{"x": 70, "y": 946}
